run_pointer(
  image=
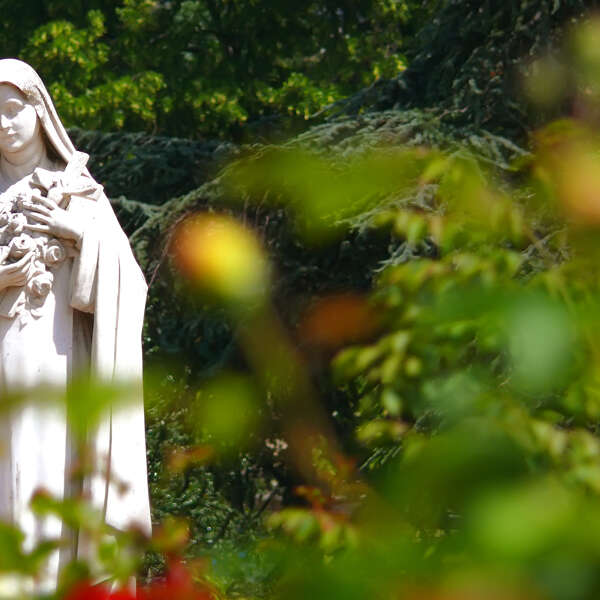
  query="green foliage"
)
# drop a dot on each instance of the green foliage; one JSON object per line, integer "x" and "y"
{"x": 197, "y": 67}
{"x": 73, "y": 59}
{"x": 475, "y": 401}
{"x": 151, "y": 169}
{"x": 469, "y": 64}
{"x": 188, "y": 340}
{"x": 194, "y": 68}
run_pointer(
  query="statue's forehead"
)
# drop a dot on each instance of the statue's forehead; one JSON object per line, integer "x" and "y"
{"x": 22, "y": 81}
{"x": 8, "y": 90}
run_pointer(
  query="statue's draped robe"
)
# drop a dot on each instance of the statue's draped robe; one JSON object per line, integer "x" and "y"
{"x": 91, "y": 321}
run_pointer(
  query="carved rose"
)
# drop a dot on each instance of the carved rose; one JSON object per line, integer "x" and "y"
{"x": 21, "y": 245}
{"x": 40, "y": 285}
{"x": 4, "y": 216}
{"x": 17, "y": 223}
{"x": 54, "y": 253}
{"x": 44, "y": 251}
{"x": 21, "y": 200}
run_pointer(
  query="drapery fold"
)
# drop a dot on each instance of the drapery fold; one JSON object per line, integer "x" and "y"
{"x": 107, "y": 281}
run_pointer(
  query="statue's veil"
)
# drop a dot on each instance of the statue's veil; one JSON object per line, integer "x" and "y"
{"x": 28, "y": 82}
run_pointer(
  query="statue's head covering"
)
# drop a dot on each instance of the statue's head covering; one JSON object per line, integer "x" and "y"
{"x": 23, "y": 77}
{"x": 28, "y": 82}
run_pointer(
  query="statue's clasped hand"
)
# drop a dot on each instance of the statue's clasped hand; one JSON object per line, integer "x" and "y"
{"x": 50, "y": 218}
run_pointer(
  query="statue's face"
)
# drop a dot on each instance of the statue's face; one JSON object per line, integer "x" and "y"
{"x": 19, "y": 125}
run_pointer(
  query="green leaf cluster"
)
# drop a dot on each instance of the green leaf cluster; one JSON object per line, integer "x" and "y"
{"x": 197, "y": 67}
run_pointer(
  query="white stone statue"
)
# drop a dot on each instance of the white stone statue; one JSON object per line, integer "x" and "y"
{"x": 71, "y": 300}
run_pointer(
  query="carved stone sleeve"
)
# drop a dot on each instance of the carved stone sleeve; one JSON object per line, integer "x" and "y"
{"x": 84, "y": 274}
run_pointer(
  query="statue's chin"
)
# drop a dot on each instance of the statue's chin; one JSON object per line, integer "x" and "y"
{"x": 11, "y": 145}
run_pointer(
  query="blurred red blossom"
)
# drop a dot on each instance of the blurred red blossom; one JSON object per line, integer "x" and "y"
{"x": 178, "y": 585}
{"x": 338, "y": 319}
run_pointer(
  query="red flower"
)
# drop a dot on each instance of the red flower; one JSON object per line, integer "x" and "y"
{"x": 87, "y": 591}
{"x": 177, "y": 586}
{"x": 122, "y": 595}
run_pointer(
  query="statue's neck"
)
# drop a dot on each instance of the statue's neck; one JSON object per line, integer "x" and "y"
{"x": 20, "y": 164}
